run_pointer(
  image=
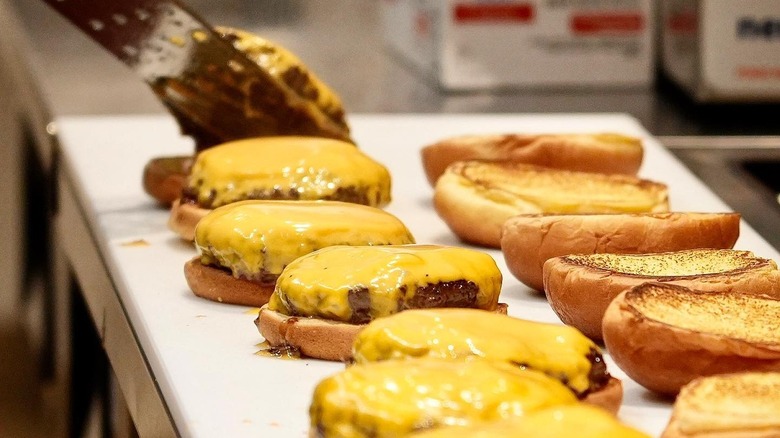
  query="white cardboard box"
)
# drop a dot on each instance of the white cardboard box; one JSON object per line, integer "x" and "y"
{"x": 723, "y": 50}
{"x": 478, "y": 44}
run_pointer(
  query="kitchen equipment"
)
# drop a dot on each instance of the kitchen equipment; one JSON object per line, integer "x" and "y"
{"x": 215, "y": 92}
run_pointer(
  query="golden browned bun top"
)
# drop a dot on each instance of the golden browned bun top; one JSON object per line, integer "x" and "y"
{"x": 561, "y": 191}
{"x": 557, "y": 350}
{"x": 286, "y": 167}
{"x": 731, "y": 402}
{"x": 567, "y": 421}
{"x": 356, "y": 284}
{"x": 747, "y": 318}
{"x": 696, "y": 262}
{"x": 256, "y": 238}
{"x": 394, "y": 398}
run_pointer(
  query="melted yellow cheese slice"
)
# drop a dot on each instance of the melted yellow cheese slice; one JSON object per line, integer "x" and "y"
{"x": 557, "y": 350}
{"x": 322, "y": 284}
{"x": 579, "y": 420}
{"x": 389, "y": 399}
{"x": 252, "y": 238}
{"x": 305, "y": 168}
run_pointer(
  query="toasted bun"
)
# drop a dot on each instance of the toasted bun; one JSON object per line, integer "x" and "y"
{"x": 475, "y": 198}
{"x": 664, "y": 336}
{"x": 184, "y": 218}
{"x": 608, "y": 397}
{"x": 580, "y": 287}
{"x": 314, "y": 337}
{"x": 727, "y": 406}
{"x": 602, "y": 153}
{"x": 164, "y": 178}
{"x": 220, "y": 285}
{"x": 529, "y": 240}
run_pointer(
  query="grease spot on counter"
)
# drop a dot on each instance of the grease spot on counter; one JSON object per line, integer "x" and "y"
{"x": 136, "y": 243}
{"x": 285, "y": 352}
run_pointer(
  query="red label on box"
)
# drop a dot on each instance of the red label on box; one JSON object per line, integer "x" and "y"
{"x": 607, "y": 23}
{"x": 758, "y": 73}
{"x": 685, "y": 22}
{"x": 494, "y": 12}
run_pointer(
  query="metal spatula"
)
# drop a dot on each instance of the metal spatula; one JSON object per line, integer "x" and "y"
{"x": 215, "y": 92}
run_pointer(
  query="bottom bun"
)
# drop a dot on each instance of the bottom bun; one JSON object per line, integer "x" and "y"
{"x": 164, "y": 177}
{"x": 220, "y": 285}
{"x": 184, "y": 218}
{"x": 314, "y": 337}
{"x": 609, "y": 397}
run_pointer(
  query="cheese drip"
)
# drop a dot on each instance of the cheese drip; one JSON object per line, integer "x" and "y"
{"x": 393, "y": 398}
{"x": 306, "y": 168}
{"x": 254, "y": 238}
{"x": 580, "y": 420}
{"x": 556, "y": 350}
{"x": 326, "y": 284}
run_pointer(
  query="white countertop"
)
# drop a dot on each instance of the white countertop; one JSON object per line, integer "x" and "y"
{"x": 202, "y": 353}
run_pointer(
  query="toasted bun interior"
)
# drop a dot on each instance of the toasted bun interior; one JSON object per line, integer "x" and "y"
{"x": 580, "y": 287}
{"x": 743, "y": 403}
{"x": 744, "y": 317}
{"x": 527, "y": 241}
{"x": 673, "y": 264}
{"x": 475, "y": 198}
{"x": 664, "y": 336}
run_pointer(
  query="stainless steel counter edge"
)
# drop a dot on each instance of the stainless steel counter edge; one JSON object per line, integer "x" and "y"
{"x": 142, "y": 395}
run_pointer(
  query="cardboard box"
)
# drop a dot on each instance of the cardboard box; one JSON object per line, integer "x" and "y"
{"x": 478, "y": 44}
{"x": 723, "y": 50}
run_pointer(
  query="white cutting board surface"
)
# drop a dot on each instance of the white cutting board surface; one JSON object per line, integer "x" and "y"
{"x": 203, "y": 353}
